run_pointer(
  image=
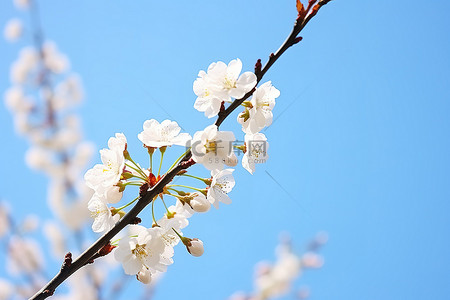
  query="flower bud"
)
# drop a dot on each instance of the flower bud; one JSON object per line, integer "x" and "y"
{"x": 200, "y": 203}
{"x": 194, "y": 247}
{"x": 113, "y": 194}
{"x": 231, "y": 160}
{"x": 144, "y": 276}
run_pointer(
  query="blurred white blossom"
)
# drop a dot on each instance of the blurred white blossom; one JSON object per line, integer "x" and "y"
{"x": 13, "y": 30}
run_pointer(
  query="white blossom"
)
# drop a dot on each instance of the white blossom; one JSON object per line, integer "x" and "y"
{"x": 68, "y": 92}
{"x": 226, "y": 81}
{"x": 113, "y": 194}
{"x": 16, "y": 101}
{"x": 222, "y": 183}
{"x": 219, "y": 84}
{"x": 213, "y": 148}
{"x": 162, "y": 135}
{"x": 103, "y": 177}
{"x": 256, "y": 146}
{"x": 24, "y": 65}
{"x": 142, "y": 248}
{"x": 275, "y": 280}
{"x": 38, "y": 158}
{"x": 103, "y": 218}
{"x": 181, "y": 209}
{"x": 260, "y": 113}
{"x": 21, "y": 124}
{"x": 207, "y": 101}
{"x": 118, "y": 143}
{"x": 13, "y": 30}
{"x": 53, "y": 59}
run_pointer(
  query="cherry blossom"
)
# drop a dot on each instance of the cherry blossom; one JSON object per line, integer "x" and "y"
{"x": 221, "y": 83}
{"x": 103, "y": 177}
{"x": 118, "y": 143}
{"x": 259, "y": 114}
{"x": 255, "y": 151}
{"x": 142, "y": 248}
{"x": 103, "y": 218}
{"x": 213, "y": 148}
{"x": 158, "y": 135}
{"x": 207, "y": 101}
{"x": 226, "y": 81}
{"x": 222, "y": 183}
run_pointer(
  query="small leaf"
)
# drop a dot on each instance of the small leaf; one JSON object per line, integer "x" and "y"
{"x": 300, "y": 7}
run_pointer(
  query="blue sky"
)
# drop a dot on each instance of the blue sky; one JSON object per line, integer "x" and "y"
{"x": 359, "y": 145}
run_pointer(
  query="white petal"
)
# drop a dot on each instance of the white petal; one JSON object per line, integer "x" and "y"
{"x": 132, "y": 266}
{"x": 234, "y": 68}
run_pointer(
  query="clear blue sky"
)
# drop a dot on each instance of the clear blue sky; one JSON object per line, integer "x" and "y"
{"x": 360, "y": 144}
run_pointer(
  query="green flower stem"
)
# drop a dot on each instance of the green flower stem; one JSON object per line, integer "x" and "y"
{"x": 137, "y": 183}
{"x": 165, "y": 205}
{"x": 179, "y": 235}
{"x": 205, "y": 180}
{"x": 162, "y": 150}
{"x": 153, "y": 212}
{"x": 136, "y": 165}
{"x": 173, "y": 195}
{"x": 126, "y": 205}
{"x": 188, "y": 187}
{"x": 151, "y": 161}
{"x": 179, "y": 158}
{"x": 137, "y": 169}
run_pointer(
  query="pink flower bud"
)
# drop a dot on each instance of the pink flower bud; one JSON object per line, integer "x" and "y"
{"x": 195, "y": 247}
{"x": 144, "y": 276}
{"x": 200, "y": 203}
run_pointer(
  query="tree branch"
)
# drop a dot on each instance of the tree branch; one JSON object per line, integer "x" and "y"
{"x": 147, "y": 197}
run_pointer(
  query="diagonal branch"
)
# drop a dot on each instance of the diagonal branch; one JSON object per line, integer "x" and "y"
{"x": 147, "y": 197}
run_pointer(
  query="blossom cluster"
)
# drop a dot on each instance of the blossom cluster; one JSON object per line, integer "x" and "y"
{"x": 146, "y": 252}
{"x": 143, "y": 251}
{"x": 42, "y": 99}
{"x": 277, "y": 279}
{"x": 219, "y": 85}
